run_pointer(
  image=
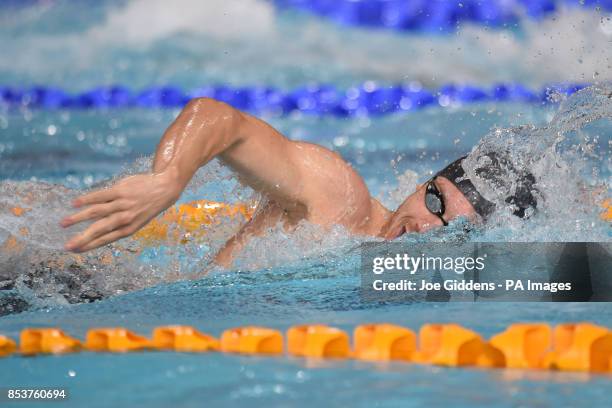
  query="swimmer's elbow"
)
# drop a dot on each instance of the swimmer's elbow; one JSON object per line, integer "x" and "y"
{"x": 214, "y": 112}
{"x": 211, "y": 109}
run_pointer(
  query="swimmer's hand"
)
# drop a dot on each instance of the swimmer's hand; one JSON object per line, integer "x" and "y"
{"x": 121, "y": 210}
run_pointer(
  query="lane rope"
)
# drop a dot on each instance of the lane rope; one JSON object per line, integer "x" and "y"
{"x": 582, "y": 347}
{"x": 436, "y": 16}
{"x": 366, "y": 99}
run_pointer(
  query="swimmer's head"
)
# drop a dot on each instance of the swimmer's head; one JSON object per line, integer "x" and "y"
{"x": 451, "y": 194}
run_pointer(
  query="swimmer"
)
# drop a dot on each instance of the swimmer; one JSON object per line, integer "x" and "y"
{"x": 303, "y": 181}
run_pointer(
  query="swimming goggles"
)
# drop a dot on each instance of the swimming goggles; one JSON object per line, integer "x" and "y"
{"x": 434, "y": 201}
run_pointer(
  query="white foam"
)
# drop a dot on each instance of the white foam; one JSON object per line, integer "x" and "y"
{"x": 145, "y": 21}
{"x": 561, "y": 160}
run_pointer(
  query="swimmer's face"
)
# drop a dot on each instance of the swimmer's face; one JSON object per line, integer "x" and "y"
{"x": 413, "y": 216}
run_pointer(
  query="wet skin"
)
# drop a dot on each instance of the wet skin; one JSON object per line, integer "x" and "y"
{"x": 301, "y": 180}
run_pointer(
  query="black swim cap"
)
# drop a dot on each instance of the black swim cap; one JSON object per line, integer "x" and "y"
{"x": 497, "y": 169}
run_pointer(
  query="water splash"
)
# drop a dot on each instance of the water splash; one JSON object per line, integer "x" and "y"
{"x": 33, "y": 210}
{"x": 305, "y": 243}
{"x": 567, "y": 186}
{"x": 36, "y": 271}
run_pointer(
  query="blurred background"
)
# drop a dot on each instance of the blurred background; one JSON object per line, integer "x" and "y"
{"x": 289, "y": 43}
{"x": 88, "y": 86}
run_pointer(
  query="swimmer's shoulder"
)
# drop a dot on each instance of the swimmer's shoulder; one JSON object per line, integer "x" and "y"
{"x": 335, "y": 188}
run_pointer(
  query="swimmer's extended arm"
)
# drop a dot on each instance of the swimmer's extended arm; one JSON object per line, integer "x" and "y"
{"x": 205, "y": 128}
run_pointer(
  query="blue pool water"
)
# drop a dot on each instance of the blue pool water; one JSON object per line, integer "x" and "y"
{"x": 280, "y": 280}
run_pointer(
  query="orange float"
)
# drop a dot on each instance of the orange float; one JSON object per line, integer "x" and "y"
{"x": 252, "y": 340}
{"x": 524, "y": 345}
{"x": 455, "y": 346}
{"x": 317, "y": 340}
{"x": 607, "y": 206}
{"x": 384, "y": 342}
{"x": 183, "y": 339}
{"x": 581, "y": 347}
{"x": 7, "y": 346}
{"x": 116, "y": 339}
{"x": 47, "y": 341}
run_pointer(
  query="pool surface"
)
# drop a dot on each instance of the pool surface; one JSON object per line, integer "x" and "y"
{"x": 49, "y": 156}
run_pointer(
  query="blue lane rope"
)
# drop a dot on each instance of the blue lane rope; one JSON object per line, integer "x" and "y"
{"x": 435, "y": 15}
{"x": 319, "y": 100}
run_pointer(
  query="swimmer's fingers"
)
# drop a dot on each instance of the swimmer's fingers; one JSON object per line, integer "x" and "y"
{"x": 119, "y": 222}
{"x": 95, "y": 197}
{"x": 106, "y": 239}
{"x": 94, "y": 212}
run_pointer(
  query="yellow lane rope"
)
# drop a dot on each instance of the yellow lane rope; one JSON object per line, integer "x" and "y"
{"x": 583, "y": 346}
{"x": 191, "y": 220}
